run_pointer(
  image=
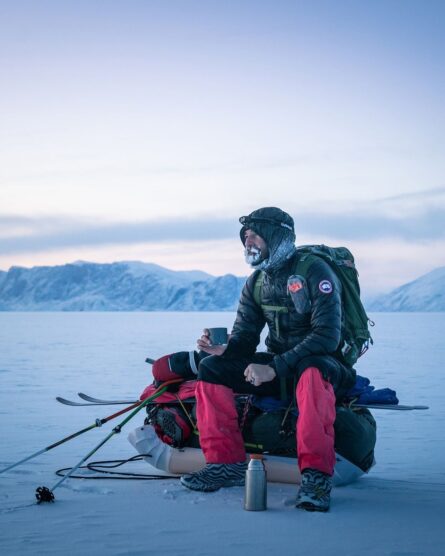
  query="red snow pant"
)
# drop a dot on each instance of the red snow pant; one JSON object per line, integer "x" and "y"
{"x": 220, "y": 435}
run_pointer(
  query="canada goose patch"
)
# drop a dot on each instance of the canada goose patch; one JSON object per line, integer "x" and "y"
{"x": 325, "y": 286}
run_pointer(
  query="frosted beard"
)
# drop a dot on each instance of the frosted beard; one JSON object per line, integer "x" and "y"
{"x": 277, "y": 256}
{"x": 253, "y": 256}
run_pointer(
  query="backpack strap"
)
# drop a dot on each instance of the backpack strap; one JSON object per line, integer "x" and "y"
{"x": 258, "y": 286}
{"x": 303, "y": 264}
{"x": 277, "y": 309}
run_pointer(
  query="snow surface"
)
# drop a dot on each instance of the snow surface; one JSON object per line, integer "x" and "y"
{"x": 397, "y": 510}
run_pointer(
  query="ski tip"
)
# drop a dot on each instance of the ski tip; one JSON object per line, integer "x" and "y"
{"x": 64, "y": 401}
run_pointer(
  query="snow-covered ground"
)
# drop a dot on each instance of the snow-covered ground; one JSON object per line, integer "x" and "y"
{"x": 397, "y": 510}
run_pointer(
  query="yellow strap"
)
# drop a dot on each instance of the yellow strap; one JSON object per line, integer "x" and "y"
{"x": 186, "y": 412}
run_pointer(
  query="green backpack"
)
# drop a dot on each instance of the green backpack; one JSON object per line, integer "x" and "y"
{"x": 355, "y": 334}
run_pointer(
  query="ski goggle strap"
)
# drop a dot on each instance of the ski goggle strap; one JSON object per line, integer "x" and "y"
{"x": 246, "y": 220}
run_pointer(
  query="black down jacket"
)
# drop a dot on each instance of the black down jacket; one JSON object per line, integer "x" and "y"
{"x": 292, "y": 336}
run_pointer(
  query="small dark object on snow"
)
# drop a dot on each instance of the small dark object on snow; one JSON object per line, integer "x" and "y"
{"x": 43, "y": 494}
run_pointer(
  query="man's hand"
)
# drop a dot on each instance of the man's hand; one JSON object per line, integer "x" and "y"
{"x": 257, "y": 374}
{"x": 204, "y": 344}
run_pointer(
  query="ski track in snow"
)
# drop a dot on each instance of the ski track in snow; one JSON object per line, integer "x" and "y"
{"x": 396, "y": 510}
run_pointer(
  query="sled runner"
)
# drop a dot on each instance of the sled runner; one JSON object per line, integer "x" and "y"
{"x": 177, "y": 461}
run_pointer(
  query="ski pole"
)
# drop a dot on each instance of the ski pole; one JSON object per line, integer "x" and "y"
{"x": 44, "y": 494}
{"x": 97, "y": 423}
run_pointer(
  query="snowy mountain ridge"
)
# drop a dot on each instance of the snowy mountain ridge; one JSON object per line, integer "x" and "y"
{"x": 426, "y": 293}
{"x": 120, "y": 286}
{"x": 138, "y": 286}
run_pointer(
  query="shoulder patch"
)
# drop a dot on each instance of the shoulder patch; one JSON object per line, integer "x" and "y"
{"x": 325, "y": 286}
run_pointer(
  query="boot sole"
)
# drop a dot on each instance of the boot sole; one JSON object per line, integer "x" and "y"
{"x": 209, "y": 488}
{"x": 310, "y": 507}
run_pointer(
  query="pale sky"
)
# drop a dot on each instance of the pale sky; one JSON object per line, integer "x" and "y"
{"x": 142, "y": 130}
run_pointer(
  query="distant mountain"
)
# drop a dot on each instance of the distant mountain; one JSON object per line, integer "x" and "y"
{"x": 137, "y": 286}
{"x": 121, "y": 286}
{"x": 427, "y": 293}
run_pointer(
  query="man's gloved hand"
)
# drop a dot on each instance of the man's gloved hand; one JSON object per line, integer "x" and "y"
{"x": 162, "y": 370}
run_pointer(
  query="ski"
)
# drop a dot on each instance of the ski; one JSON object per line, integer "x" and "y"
{"x": 389, "y": 406}
{"x": 89, "y": 400}
{"x": 64, "y": 401}
{"x": 99, "y": 400}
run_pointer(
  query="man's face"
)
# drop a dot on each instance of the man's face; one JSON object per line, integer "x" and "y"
{"x": 255, "y": 248}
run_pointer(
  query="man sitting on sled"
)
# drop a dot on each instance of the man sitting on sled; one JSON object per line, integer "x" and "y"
{"x": 304, "y": 318}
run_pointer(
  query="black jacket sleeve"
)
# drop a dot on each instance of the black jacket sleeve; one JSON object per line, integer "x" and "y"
{"x": 248, "y": 325}
{"x": 324, "y": 335}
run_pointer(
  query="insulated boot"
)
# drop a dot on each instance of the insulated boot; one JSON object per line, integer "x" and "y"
{"x": 314, "y": 494}
{"x": 215, "y": 476}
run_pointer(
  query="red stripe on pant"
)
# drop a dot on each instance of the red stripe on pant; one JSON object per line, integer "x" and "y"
{"x": 219, "y": 433}
{"x": 315, "y": 423}
{"x": 221, "y": 439}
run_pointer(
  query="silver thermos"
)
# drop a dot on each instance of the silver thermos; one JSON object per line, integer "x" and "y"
{"x": 255, "y": 498}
